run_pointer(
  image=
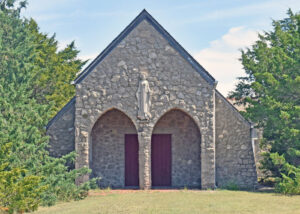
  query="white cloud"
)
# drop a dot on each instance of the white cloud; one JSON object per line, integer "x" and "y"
{"x": 221, "y": 58}
{"x": 89, "y": 57}
{"x": 62, "y": 44}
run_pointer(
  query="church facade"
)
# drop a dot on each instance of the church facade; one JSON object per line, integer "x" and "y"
{"x": 146, "y": 114}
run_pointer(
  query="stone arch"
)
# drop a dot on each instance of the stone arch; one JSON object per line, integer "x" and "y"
{"x": 192, "y": 115}
{"x": 185, "y": 147}
{"x": 99, "y": 113}
{"x": 107, "y": 147}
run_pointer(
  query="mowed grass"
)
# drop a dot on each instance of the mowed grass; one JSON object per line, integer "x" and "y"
{"x": 179, "y": 201}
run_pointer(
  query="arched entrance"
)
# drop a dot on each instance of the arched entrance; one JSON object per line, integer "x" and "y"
{"x": 114, "y": 152}
{"x": 175, "y": 151}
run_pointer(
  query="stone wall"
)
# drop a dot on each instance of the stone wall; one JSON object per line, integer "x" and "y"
{"x": 108, "y": 154}
{"x": 61, "y": 131}
{"x": 225, "y": 151}
{"x": 234, "y": 155}
{"x": 186, "y": 141}
{"x": 174, "y": 84}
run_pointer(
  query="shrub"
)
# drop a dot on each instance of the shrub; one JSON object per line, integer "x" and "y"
{"x": 19, "y": 191}
{"x": 289, "y": 182}
{"x": 267, "y": 181}
{"x": 61, "y": 181}
{"x": 287, "y": 185}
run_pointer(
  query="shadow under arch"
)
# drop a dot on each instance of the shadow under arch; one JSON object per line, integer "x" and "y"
{"x": 196, "y": 121}
{"x": 111, "y": 109}
{"x": 185, "y": 148}
{"x": 107, "y": 147}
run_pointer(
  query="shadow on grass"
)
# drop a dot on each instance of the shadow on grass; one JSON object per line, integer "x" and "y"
{"x": 258, "y": 189}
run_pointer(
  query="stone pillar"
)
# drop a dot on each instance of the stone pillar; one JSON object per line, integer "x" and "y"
{"x": 144, "y": 159}
{"x": 208, "y": 154}
{"x": 82, "y": 150}
{"x": 208, "y": 168}
{"x": 81, "y": 135}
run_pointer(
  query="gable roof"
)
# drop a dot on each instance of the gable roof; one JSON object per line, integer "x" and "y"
{"x": 144, "y": 15}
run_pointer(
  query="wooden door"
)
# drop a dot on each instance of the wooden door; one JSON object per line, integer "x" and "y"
{"x": 131, "y": 160}
{"x": 161, "y": 159}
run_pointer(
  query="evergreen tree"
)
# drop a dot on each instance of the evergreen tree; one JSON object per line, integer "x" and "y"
{"x": 28, "y": 175}
{"x": 18, "y": 190}
{"x": 21, "y": 119}
{"x": 56, "y": 70}
{"x": 272, "y": 90}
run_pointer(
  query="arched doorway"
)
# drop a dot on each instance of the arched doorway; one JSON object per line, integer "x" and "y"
{"x": 115, "y": 150}
{"x": 175, "y": 151}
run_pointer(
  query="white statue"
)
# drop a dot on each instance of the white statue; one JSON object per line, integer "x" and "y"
{"x": 143, "y": 95}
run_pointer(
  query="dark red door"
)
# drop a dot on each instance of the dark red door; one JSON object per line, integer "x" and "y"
{"x": 161, "y": 159}
{"x": 131, "y": 160}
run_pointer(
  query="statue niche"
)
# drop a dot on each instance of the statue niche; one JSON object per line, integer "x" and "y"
{"x": 143, "y": 95}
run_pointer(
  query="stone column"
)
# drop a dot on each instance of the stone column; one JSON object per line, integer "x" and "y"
{"x": 208, "y": 154}
{"x": 207, "y": 168}
{"x": 81, "y": 135}
{"x": 82, "y": 150}
{"x": 144, "y": 159}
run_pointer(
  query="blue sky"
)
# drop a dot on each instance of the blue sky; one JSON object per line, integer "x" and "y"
{"x": 212, "y": 31}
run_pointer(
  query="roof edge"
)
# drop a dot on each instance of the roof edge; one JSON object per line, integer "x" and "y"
{"x": 233, "y": 108}
{"x": 61, "y": 112}
{"x": 144, "y": 15}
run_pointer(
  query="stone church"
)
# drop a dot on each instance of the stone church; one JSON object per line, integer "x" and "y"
{"x": 146, "y": 114}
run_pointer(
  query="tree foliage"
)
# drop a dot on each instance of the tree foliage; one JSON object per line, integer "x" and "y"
{"x": 34, "y": 83}
{"x": 271, "y": 88}
{"x": 55, "y": 69}
{"x": 19, "y": 190}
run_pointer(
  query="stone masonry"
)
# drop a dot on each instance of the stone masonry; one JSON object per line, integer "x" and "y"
{"x": 234, "y": 154}
{"x": 108, "y": 161}
{"x": 114, "y": 82}
{"x": 186, "y": 141}
{"x": 211, "y": 142}
{"x": 62, "y": 132}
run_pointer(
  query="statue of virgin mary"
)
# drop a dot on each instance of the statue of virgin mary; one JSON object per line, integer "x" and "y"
{"x": 143, "y": 95}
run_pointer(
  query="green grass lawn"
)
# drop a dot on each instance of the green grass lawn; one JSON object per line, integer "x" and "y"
{"x": 179, "y": 201}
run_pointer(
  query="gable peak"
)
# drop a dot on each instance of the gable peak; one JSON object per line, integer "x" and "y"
{"x": 144, "y": 15}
